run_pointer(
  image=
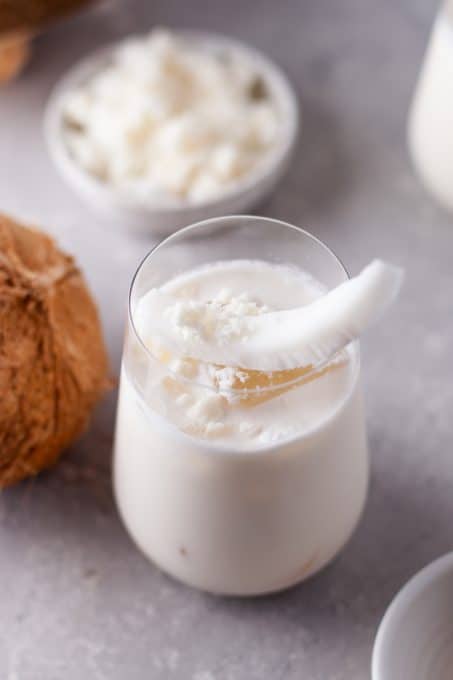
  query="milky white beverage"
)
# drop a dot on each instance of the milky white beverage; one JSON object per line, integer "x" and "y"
{"x": 431, "y": 120}
{"x": 238, "y": 482}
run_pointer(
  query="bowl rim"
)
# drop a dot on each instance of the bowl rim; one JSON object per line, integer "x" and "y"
{"x": 279, "y": 85}
{"x": 395, "y": 613}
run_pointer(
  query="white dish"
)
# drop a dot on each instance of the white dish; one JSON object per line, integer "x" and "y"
{"x": 415, "y": 638}
{"x": 161, "y": 219}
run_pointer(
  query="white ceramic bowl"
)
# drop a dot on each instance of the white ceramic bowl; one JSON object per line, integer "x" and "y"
{"x": 415, "y": 638}
{"x": 164, "y": 218}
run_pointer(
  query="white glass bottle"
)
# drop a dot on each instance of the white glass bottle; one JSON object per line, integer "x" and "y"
{"x": 431, "y": 116}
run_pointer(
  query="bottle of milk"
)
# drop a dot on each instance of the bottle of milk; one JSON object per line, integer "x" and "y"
{"x": 431, "y": 117}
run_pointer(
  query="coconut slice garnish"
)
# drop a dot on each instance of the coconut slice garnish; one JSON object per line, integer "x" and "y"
{"x": 303, "y": 338}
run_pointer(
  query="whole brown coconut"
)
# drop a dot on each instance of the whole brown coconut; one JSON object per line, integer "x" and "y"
{"x": 53, "y": 362}
{"x": 19, "y": 15}
{"x": 14, "y": 53}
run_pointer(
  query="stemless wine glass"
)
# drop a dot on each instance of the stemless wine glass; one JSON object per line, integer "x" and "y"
{"x": 223, "y": 518}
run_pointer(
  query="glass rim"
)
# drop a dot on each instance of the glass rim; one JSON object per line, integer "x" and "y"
{"x": 233, "y": 391}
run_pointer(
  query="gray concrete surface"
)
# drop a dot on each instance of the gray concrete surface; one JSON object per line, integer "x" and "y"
{"x": 77, "y": 600}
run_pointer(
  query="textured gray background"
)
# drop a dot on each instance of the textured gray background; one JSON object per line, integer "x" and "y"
{"x": 77, "y": 600}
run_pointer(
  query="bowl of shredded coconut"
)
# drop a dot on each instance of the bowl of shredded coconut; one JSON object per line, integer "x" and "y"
{"x": 165, "y": 129}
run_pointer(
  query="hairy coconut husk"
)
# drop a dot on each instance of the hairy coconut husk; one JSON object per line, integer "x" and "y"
{"x": 53, "y": 362}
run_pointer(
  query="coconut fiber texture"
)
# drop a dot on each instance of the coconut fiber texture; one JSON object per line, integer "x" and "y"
{"x": 53, "y": 362}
